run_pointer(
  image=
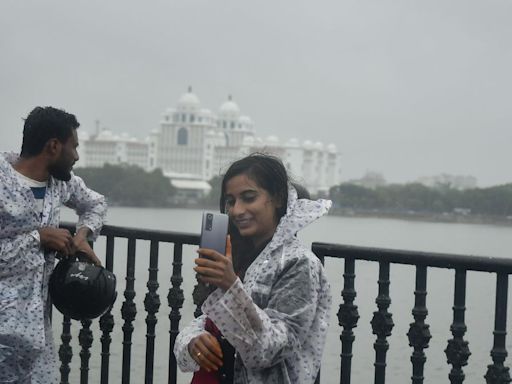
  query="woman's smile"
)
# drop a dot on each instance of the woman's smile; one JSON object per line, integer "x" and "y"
{"x": 250, "y": 208}
{"x": 242, "y": 223}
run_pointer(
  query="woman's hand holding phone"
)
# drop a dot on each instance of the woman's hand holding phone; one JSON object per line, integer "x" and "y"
{"x": 214, "y": 268}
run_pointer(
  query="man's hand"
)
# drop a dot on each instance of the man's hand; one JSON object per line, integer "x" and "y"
{"x": 80, "y": 244}
{"x": 206, "y": 351}
{"x": 56, "y": 239}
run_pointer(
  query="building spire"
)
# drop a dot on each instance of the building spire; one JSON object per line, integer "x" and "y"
{"x": 189, "y": 89}
{"x": 230, "y": 98}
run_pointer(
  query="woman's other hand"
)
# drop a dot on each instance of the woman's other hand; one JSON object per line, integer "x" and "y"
{"x": 206, "y": 351}
{"x": 214, "y": 268}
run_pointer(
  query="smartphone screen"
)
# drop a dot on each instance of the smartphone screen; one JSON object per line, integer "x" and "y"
{"x": 214, "y": 231}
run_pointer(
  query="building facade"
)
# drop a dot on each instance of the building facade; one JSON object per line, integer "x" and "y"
{"x": 106, "y": 148}
{"x": 193, "y": 144}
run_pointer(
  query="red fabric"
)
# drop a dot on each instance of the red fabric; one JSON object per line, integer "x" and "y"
{"x": 202, "y": 376}
{"x": 211, "y": 327}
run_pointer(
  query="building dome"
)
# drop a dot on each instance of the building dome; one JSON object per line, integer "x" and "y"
{"x": 229, "y": 107}
{"x": 248, "y": 141}
{"x": 189, "y": 100}
{"x": 245, "y": 120}
{"x": 307, "y": 144}
{"x": 272, "y": 140}
{"x": 293, "y": 142}
{"x": 332, "y": 148}
{"x": 106, "y": 135}
{"x": 319, "y": 146}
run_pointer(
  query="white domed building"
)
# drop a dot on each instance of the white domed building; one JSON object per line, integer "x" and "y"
{"x": 192, "y": 145}
{"x": 182, "y": 142}
{"x": 105, "y": 147}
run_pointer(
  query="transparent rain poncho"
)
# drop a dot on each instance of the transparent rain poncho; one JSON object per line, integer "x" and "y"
{"x": 277, "y": 319}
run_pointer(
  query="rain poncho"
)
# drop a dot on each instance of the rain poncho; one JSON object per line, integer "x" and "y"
{"x": 27, "y": 353}
{"x": 277, "y": 319}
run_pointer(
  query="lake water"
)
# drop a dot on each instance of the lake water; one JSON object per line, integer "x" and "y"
{"x": 482, "y": 240}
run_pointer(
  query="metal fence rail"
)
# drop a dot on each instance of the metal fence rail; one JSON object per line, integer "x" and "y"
{"x": 128, "y": 310}
{"x": 457, "y": 350}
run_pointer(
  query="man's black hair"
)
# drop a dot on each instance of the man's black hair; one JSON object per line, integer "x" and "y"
{"x": 43, "y": 124}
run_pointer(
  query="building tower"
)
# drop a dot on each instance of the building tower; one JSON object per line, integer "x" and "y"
{"x": 181, "y": 148}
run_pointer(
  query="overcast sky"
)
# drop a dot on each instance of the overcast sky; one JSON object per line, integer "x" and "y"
{"x": 406, "y": 88}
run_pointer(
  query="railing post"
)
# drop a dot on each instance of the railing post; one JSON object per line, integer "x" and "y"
{"x": 419, "y": 333}
{"x": 321, "y": 257}
{"x": 457, "y": 351}
{"x": 85, "y": 339}
{"x": 382, "y": 323}
{"x": 151, "y": 305}
{"x": 175, "y": 300}
{"x": 347, "y": 318}
{"x": 65, "y": 350}
{"x": 128, "y": 311}
{"x": 497, "y": 373}
{"x": 199, "y": 295}
{"x": 107, "y": 320}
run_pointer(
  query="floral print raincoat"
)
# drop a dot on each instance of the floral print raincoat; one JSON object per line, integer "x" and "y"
{"x": 27, "y": 353}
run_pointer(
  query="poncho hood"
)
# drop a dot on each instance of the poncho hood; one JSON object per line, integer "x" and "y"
{"x": 299, "y": 214}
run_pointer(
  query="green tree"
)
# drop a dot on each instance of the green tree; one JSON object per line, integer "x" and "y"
{"x": 129, "y": 185}
{"x": 213, "y": 197}
{"x": 397, "y": 198}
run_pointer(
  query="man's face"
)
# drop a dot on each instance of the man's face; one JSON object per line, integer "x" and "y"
{"x": 62, "y": 166}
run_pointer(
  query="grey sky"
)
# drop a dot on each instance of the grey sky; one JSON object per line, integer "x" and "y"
{"x": 406, "y": 88}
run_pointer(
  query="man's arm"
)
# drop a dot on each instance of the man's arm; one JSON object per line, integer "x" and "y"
{"x": 91, "y": 208}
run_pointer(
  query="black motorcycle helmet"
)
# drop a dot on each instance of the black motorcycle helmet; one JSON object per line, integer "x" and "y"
{"x": 81, "y": 290}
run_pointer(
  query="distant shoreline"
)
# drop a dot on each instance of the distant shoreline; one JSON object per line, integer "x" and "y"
{"x": 429, "y": 217}
{"x": 408, "y": 216}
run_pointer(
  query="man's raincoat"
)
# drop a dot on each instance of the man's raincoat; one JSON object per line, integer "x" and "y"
{"x": 27, "y": 353}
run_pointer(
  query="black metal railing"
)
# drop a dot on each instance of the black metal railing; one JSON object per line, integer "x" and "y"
{"x": 175, "y": 299}
{"x": 457, "y": 350}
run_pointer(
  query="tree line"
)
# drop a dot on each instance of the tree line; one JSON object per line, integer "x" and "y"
{"x": 128, "y": 185}
{"x": 132, "y": 186}
{"x": 417, "y": 198}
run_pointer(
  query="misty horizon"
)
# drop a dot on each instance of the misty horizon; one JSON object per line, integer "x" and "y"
{"x": 404, "y": 89}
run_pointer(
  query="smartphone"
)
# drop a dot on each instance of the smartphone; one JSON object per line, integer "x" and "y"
{"x": 214, "y": 231}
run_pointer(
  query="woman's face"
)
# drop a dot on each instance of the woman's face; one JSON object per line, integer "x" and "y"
{"x": 251, "y": 209}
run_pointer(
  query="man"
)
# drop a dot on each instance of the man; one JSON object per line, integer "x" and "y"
{"x": 33, "y": 185}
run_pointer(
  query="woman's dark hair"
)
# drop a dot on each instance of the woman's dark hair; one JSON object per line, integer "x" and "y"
{"x": 267, "y": 171}
{"x": 43, "y": 124}
{"x": 302, "y": 192}
{"x": 270, "y": 174}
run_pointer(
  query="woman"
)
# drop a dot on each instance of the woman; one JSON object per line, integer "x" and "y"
{"x": 272, "y": 300}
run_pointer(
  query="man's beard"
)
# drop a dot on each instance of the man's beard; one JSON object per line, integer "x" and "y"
{"x": 60, "y": 171}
